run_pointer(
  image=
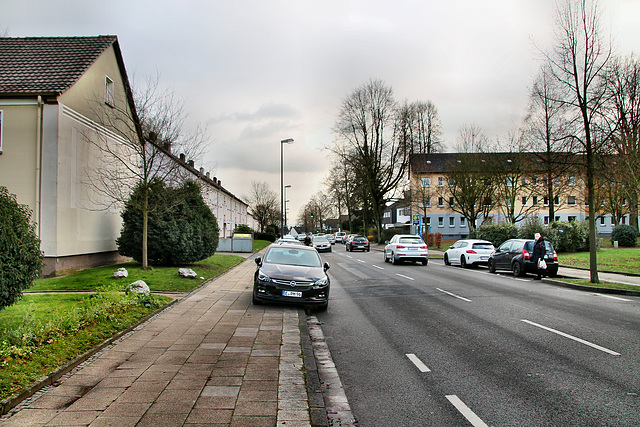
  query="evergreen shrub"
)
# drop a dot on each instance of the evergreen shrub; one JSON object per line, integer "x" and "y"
{"x": 625, "y": 235}
{"x": 497, "y": 233}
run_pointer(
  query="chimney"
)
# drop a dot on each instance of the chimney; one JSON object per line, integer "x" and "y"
{"x": 191, "y": 163}
{"x": 201, "y": 171}
{"x": 208, "y": 175}
{"x": 182, "y": 157}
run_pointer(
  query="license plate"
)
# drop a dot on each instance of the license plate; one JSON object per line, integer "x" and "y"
{"x": 295, "y": 294}
{"x": 483, "y": 258}
{"x": 414, "y": 249}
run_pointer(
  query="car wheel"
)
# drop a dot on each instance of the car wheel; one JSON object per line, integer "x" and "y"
{"x": 368, "y": 249}
{"x": 394, "y": 260}
{"x": 463, "y": 262}
{"x": 446, "y": 260}
{"x": 425, "y": 262}
{"x": 553, "y": 273}
{"x": 330, "y": 249}
{"x": 256, "y": 301}
{"x": 384, "y": 254}
{"x": 517, "y": 269}
{"x": 492, "y": 266}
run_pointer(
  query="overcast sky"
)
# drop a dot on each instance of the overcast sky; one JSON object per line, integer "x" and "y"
{"x": 259, "y": 71}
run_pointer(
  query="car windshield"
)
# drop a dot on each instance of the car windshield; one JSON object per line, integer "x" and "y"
{"x": 293, "y": 256}
{"x": 548, "y": 246}
{"x": 483, "y": 246}
{"x": 320, "y": 240}
{"x": 411, "y": 240}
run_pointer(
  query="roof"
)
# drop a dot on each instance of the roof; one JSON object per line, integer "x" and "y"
{"x": 48, "y": 65}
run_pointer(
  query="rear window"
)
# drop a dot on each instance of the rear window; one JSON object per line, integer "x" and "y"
{"x": 482, "y": 246}
{"x": 359, "y": 239}
{"x": 529, "y": 246}
{"x": 411, "y": 240}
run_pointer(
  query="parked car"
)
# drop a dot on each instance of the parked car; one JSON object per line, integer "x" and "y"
{"x": 515, "y": 255}
{"x": 469, "y": 252}
{"x": 357, "y": 243}
{"x": 291, "y": 274}
{"x": 406, "y": 247}
{"x": 341, "y": 237}
{"x": 331, "y": 238}
{"x": 321, "y": 243}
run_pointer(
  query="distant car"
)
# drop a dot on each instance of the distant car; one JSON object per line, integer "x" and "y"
{"x": 331, "y": 238}
{"x": 469, "y": 252}
{"x": 291, "y": 274}
{"x": 406, "y": 247}
{"x": 357, "y": 243}
{"x": 321, "y": 243}
{"x": 515, "y": 255}
{"x": 340, "y": 236}
{"x": 285, "y": 241}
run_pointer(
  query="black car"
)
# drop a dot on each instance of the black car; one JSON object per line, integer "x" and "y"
{"x": 292, "y": 274}
{"x": 357, "y": 242}
{"x": 515, "y": 255}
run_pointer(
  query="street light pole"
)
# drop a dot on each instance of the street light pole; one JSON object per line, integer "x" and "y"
{"x": 285, "y": 206}
{"x": 284, "y": 141}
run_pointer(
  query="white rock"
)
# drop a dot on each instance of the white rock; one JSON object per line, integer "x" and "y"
{"x": 121, "y": 272}
{"x": 187, "y": 272}
{"x": 138, "y": 287}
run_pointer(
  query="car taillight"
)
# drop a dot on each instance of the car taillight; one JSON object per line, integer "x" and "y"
{"x": 525, "y": 254}
{"x": 555, "y": 256}
{"x": 424, "y": 247}
{"x": 401, "y": 247}
{"x": 366, "y": 241}
{"x": 471, "y": 251}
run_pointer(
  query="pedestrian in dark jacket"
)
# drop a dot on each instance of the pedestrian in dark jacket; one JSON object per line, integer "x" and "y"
{"x": 539, "y": 251}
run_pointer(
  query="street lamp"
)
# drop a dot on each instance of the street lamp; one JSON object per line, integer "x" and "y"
{"x": 285, "y": 206}
{"x": 284, "y": 141}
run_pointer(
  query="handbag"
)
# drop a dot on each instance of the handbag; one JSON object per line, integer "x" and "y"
{"x": 542, "y": 264}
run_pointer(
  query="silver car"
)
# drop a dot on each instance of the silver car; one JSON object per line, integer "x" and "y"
{"x": 321, "y": 244}
{"x": 469, "y": 252}
{"x": 406, "y": 247}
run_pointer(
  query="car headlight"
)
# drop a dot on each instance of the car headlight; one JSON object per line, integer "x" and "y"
{"x": 321, "y": 283}
{"x": 263, "y": 277}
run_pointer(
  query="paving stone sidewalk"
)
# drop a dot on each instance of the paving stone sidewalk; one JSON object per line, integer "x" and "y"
{"x": 211, "y": 359}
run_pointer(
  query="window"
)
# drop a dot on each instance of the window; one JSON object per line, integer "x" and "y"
{"x": 624, "y": 220}
{"x": 556, "y": 200}
{"x": 426, "y": 181}
{"x": 571, "y": 201}
{"x": 387, "y": 214}
{"x": 546, "y": 220}
{"x": 440, "y": 181}
{"x": 509, "y": 181}
{"x": 535, "y": 200}
{"x": 426, "y": 202}
{"x": 427, "y": 221}
{"x": 463, "y": 221}
{"x": 601, "y": 220}
{"x": 612, "y": 221}
{"x": 557, "y": 219}
{"x": 451, "y": 204}
{"x": 534, "y": 181}
{"x": 441, "y": 201}
{"x": 109, "y": 88}
{"x": 546, "y": 201}
{"x": 507, "y": 202}
{"x": 524, "y": 180}
{"x": 451, "y": 182}
{"x": 571, "y": 181}
{"x": 572, "y": 218}
{"x": 487, "y": 201}
{"x": 440, "y": 221}
{"x": 452, "y": 221}
{"x": 524, "y": 201}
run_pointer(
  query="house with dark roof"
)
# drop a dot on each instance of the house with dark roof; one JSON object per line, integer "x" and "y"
{"x": 53, "y": 91}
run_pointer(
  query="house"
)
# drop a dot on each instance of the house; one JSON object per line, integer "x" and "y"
{"x": 52, "y": 93}
{"x": 517, "y": 185}
{"x": 397, "y": 215}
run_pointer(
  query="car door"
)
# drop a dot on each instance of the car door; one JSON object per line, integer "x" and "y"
{"x": 460, "y": 250}
{"x": 502, "y": 258}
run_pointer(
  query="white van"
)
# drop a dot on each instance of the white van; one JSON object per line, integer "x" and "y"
{"x": 340, "y": 236}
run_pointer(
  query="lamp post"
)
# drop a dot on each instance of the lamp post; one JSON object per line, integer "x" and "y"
{"x": 285, "y": 206}
{"x": 284, "y": 141}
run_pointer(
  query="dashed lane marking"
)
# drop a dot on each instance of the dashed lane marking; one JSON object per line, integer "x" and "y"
{"x": 571, "y": 337}
{"x": 421, "y": 366}
{"x": 465, "y": 411}
{"x": 454, "y": 295}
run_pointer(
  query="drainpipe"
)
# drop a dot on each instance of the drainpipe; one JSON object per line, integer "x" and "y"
{"x": 37, "y": 208}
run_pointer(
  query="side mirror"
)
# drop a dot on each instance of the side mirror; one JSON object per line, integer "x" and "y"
{"x": 326, "y": 266}
{"x": 386, "y": 242}
{"x": 258, "y": 260}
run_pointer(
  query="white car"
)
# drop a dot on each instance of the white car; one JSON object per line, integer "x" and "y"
{"x": 406, "y": 247}
{"x": 469, "y": 252}
{"x": 331, "y": 238}
{"x": 341, "y": 237}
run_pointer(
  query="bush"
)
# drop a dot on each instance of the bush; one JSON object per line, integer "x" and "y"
{"x": 243, "y": 229}
{"x": 270, "y": 237}
{"x": 497, "y": 233}
{"x": 438, "y": 239}
{"x": 181, "y": 227}
{"x": 530, "y": 227}
{"x": 20, "y": 255}
{"x": 625, "y": 235}
{"x": 388, "y": 233}
{"x": 568, "y": 236}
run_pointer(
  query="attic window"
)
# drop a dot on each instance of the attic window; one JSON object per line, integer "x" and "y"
{"x": 108, "y": 91}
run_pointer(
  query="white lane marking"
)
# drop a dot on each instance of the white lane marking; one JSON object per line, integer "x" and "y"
{"x": 361, "y": 260}
{"x": 406, "y": 277}
{"x": 465, "y": 411}
{"x": 378, "y": 267}
{"x": 454, "y": 295}
{"x": 349, "y": 256}
{"x": 421, "y": 366}
{"x": 612, "y": 297}
{"x": 571, "y": 337}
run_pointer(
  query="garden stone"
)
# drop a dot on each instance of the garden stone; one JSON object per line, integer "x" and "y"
{"x": 121, "y": 272}
{"x": 187, "y": 272}
{"x": 138, "y": 287}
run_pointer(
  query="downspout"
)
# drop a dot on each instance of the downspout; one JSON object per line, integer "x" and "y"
{"x": 39, "y": 136}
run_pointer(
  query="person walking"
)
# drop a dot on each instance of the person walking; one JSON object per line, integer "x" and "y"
{"x": 539, "y": 251}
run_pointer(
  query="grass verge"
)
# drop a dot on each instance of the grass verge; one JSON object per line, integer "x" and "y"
{"x": 40, "y": 333}
{"x": 616, "y": 260}
{"x": 605, "y": 285}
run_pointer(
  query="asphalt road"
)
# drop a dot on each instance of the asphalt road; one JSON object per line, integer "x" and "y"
{"x": 447, "y": 346}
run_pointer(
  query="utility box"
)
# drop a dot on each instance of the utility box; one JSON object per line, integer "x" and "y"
{"x": 242, "y": 242}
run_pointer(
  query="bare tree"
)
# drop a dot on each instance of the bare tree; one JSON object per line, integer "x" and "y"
{"x": 365, "y": 130}
{"x": 263, "y": 204}
{"x": 623, "y": 89}
{"x": 142, "y": 129}
{"x": 578, "y": 63}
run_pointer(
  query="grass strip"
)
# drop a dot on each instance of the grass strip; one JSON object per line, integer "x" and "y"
{"x": 615, "y": 260}
{"x": 602, "y": 284}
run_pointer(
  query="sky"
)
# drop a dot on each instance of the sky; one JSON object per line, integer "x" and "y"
{"x": 255, "y": 72}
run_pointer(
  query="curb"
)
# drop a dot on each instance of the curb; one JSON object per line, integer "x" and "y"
{"x": 592, "y": 288}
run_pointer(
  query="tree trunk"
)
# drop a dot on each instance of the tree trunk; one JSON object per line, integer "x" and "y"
{"x": 145, "y": 221}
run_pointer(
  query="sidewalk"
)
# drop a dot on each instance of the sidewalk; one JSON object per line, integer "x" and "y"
{"x": 211, "y": 359}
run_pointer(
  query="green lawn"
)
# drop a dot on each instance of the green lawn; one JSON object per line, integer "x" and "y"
{"x": 625, "y": 260}
{"x": 159, "y": 279}
{"x": 607, "y": 285}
